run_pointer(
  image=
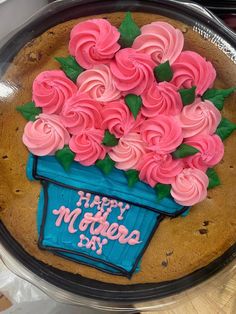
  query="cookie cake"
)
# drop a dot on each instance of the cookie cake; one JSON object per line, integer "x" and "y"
{"x": 117, "y": 149}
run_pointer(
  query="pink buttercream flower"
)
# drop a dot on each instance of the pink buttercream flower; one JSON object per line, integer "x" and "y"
{"x": 211, "y": 151}
{"x": 162, "y": 134}
{"x": 87, "y": 146}
{"x": 81, "y": 112}
{"x": 191, "y": 69}
{"x": 128, "y": 152}
{"x": 161, "y": 98}
{"x": 118, "y": 119}
{"x": 98, "y": 83}
{"x": 161, "y": 41}
{"x": 158, "y": 168}
{"x": 45, "y": 135}
{"x": 132, "y": 71}
{"x": 51, "y": 89}
{"x": 93, "y": 42}
{"x": 202, "y": 117}
{"x": 190, "y": 187}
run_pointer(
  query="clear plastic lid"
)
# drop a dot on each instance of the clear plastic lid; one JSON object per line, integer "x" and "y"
{"x": 66, "y": 287}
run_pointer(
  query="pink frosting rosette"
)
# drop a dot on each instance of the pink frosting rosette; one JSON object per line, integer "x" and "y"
{"x": 87, "y": 146}
{"x": 94, "y": 41}
{"x": 162, "y": 134}
{"x": 118, "y": 119}
{"x": 161, "y": 98}
{"x": 81, "y": 112}
{"x": 159, "y": 168}
{"x": 190, "y": 187}
{"x": 191, "y": 69}
{"x": 51, "y": 89}
{"x": 128, "y": 152}
{"x": 132, "y": 71}
{"x": 202, "y": 117}
{"x": 211, "y": 151}
{"x": 161, "y": 41}
{"x": 98, "y": 83}
{"x": 45, "y": 135}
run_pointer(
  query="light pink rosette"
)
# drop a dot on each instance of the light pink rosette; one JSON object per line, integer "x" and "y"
{"x": 211, "y": 151}
{"x": 87, "y": 146}
{"x": 94, "y": 41}
{"x": 51, "y": 89}
{"x": 128, "y": 152}
{"x": 81, "y": 112}
{"x": 118, "y": 119}
{"x": 190, "y": 187}
{"x": 132, "y": 71}
{"x": 98, "y": 83}
{"x": 202, "y": 117}
{"x": 191, "y": 69}
{"x": 159, "y": 168}
{"x": 45, "y": 135}
{"x": 161, "y": 41}
{"x": 161, "y": 98}
{"x": 162, "y": 134}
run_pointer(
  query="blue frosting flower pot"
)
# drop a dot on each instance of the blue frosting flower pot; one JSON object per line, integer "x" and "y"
{"x": 95, "y": 219}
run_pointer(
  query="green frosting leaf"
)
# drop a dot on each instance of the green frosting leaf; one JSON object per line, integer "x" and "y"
{"x": 106, "y": 164}
{"x": 187, "y": 95}
{"x": 184, "y": 150}
{"x": 162, "y": 190}
{"x": 129, "y": 30}
{"x": 217, "y": 96}
{"x": 70, "y": 66}
{"x": 29, "y": 111}
{"x": 225, "y": 128}
{"x": 109, "y": 139}
{"x": 65, "y": 157}
{"x": 134, "y": 103}
{"x": 132, "y": 176}
{"x": 214, "y": 180}
{"x": 163, "y": 72}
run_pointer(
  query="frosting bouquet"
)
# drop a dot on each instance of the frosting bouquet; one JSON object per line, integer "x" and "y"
{"x": 125, "y": 133}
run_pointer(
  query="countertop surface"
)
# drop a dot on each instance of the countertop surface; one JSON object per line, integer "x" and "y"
{"x": 9, "y": 20}
{"x": 216, "y": 296}
{"x": 215, "y": 301}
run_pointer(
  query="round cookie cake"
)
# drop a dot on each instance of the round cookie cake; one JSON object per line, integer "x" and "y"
{"x": 180, "y": 245}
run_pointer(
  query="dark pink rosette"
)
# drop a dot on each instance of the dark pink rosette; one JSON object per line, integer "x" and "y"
{"x": 191, "y": 69}
{"x": 132, "y": 71}
{"x": 94, "y": 41}
{"x": 87, "y": 146}
{"x": 211, "y": 151}
{"x": 162, "y": 134}
{"x": 161, "y": 98}
{"x": 51, "y": 89}
{"x": 159, "y": 168}
{"x": 81, "y": 112}
{"x": 118, "y": 119}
